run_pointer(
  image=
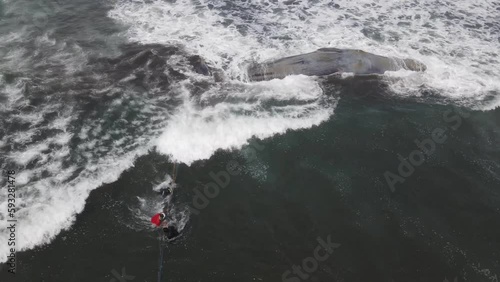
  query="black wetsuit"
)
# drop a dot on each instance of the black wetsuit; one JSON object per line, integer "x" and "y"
{"x": 165, "y": 192}
{"x": 171, "y": 231}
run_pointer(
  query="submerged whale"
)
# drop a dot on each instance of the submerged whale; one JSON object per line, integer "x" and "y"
{"x": 328, "y": 61}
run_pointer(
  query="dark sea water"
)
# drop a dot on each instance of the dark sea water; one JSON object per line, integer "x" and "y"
{"x": 99, "y": 105}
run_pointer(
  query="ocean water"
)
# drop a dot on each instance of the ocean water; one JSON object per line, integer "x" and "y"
{"x": 98, "y": 101}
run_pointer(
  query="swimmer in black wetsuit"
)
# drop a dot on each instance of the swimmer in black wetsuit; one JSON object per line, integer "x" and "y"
{"x": 169, "y": 229}
{"x": 166, "y": 191}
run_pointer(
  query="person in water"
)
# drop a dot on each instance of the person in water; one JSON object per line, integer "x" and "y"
{"x": 160, "y": 220}
{"x": 166, "y": 191}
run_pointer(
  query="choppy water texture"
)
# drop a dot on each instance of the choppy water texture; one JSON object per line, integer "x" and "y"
{"x": 101, "y": 94}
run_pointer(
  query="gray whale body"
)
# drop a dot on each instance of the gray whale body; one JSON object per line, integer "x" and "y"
{"x": 328, "y": 61}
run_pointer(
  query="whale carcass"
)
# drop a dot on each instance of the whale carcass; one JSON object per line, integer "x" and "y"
{"x": 328, "y": 61}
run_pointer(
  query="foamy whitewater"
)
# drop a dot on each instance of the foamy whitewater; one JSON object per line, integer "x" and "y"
{"x": 64, "y": 150}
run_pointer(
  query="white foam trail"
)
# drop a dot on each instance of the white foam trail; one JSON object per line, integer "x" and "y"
{"x": 195, "y": 133}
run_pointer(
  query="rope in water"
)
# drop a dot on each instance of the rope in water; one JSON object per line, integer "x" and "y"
{"x": 160, "y": 235}
{"x": 174, "y": 172}
{"x": 160, "y": 262}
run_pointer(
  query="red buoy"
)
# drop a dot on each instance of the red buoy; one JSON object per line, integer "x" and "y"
{"x": 156, "y": 219}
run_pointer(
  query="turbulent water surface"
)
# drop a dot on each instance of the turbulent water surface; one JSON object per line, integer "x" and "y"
{"x": 99, "y": 99}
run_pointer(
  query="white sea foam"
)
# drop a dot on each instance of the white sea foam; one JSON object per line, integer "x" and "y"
{"x": 55, "y": 179}
{"x": 457, "y": 40}
{"x": 196, "y": 132}
{"x": 49, "y": 205}
{"x": 54, "y": 205}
